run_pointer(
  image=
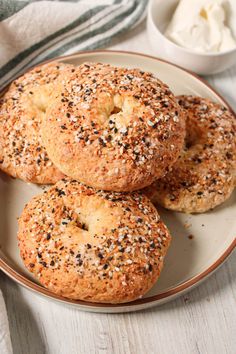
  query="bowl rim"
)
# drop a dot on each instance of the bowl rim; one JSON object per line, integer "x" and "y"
{"x": 178, "y": 47}
{"x": 18, "y": 277}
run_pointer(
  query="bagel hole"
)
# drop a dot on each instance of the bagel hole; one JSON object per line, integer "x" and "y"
{"x": 40, "y": 98}
{"x": 116, "y": 110}
{"x": 42, "y": 109}
{"x": 191, "y": 139}
{"x": 188, "y": 144}
{"x": 81, "y": 225}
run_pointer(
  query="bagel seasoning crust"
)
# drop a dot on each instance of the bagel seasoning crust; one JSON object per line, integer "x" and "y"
{"x": 116, "y": 128}
{"x": 22, "y": 107}
{"x": 204, "y": 176}
{"x": 93, "y": 245}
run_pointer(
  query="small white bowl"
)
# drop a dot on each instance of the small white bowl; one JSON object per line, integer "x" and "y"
{"x": 159, "y": 15}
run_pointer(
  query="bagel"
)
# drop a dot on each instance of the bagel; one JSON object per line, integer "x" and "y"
{"x": 22, "y": 107}
{"x": 113, "y": 128}
{"x": 92, "y": 245}
{"x": 204, "y": 176}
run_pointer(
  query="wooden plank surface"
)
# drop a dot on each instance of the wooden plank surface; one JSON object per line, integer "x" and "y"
{"x": 203, "y": 321}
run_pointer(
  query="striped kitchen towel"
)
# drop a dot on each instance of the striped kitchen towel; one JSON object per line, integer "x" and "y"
{"x": 32, "y": 31}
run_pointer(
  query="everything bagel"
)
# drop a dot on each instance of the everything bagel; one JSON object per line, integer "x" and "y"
{"x": 92, "y": 245}
{"x": 22, "y": 108}
{"x": 113, "y": 128}
{"x": 204, "y": 176}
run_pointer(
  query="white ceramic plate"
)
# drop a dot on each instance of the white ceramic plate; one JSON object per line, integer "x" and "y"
{"x": 190, "y": 258}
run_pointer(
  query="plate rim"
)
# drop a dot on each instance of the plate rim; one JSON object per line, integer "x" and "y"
{"x": 15, "y": 275}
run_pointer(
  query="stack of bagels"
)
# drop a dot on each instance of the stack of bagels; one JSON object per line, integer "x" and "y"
{"x": 111, "y": 141}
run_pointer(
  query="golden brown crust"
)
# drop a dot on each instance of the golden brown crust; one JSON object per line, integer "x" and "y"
{"x": 93, "y": 245}
{"x": 204, "y": 176}
{"x": 22, "y": 108}
{"x": 113, "y": 128}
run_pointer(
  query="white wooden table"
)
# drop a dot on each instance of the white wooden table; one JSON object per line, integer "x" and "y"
{"x": 203, "y": 321}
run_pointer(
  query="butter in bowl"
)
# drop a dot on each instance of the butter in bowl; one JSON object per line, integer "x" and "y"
{"x": 199, "y": 35}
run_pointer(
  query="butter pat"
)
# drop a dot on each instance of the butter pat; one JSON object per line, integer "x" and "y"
{"x": 200, "y": 25}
